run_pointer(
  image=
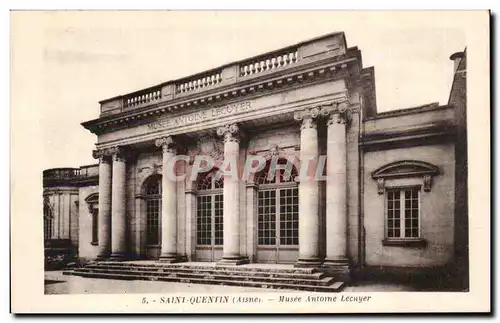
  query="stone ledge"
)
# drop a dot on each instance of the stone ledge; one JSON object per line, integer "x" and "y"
{"x": 416, "y": 243}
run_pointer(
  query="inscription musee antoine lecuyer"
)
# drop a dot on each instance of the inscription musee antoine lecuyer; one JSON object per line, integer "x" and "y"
{"x": 200, "y": 116}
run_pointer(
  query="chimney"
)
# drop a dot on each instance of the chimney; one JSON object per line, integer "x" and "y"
{"x": 456, "y": 58}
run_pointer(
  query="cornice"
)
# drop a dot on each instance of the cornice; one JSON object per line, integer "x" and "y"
{"x": 424, "y": 135}
{"x": 327, "y": 69}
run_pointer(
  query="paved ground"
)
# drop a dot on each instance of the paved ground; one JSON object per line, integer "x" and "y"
{"x": 57, "y": 283}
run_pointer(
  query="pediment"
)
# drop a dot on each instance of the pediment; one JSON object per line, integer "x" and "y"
{"x": 405, "y": 168}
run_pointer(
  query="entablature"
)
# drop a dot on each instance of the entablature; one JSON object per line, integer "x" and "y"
{"x": 252, "y": 77}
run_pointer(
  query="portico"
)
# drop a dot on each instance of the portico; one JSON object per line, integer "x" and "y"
{"x": 239, "y": 215}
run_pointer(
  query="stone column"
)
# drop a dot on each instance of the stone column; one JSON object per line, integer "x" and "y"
{"x": 190, "y": 223}
{"x": 339, "y": 117}
{"x": 252, "y": 223}
{"x": 118, "y": 205}
{"x": 168, "y": 203}
{"x": 231, "y": 248}
{"x": 308, "y": 191}
{"x": 104, "y": 217}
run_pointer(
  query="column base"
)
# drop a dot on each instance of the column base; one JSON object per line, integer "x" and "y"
{"x": 117, "y": 256}
{"x": 339, "y": 268}
{"x": 171, "y": 258}
{"x": 308, "y": 263}
{"x": 233, "y": 261}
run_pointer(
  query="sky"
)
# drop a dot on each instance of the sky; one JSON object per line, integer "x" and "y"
{"x": 72, "y": 60}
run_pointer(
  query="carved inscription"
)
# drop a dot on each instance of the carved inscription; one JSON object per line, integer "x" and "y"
{"x": 200, "y": 116}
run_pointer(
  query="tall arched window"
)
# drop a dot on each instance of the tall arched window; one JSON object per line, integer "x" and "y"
{"x": 278, "y": 206}
{"x": 209, "y": 213}
{"x": 48, "y": 218}
{"x": 152, "y": 197}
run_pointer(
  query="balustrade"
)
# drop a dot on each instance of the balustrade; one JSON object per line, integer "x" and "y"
{"x": 269, "y": 62}
{"x": 141, "y": 97}
{"x": 199, "y": 82}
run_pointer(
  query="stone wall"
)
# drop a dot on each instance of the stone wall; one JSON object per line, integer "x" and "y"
{"x": 86, "y": 250}
{"x": 436, "y": 214}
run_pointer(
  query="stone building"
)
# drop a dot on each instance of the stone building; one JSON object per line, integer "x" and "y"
{"x": 391, "y": 198}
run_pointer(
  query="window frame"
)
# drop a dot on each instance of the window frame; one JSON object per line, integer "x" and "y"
{"x": 403, "y": 240}
{"x": 282, "y": 180}
{"x": 401, "y": 175}
{"x": 93, "y": 207}
{"x": 402, "y": 217}
{"x": 149, "y": 197}
{"x": 211, "y": 194}
{"x": 95, "y": 226}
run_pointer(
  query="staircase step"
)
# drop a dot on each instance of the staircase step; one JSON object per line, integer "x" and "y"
{"x": 324, "y": 281}
{"x": 334, "y": 287}
{"x": 210, "y": 270}
{"x": 216, "y": 267}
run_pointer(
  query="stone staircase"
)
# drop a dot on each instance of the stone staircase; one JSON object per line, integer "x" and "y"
{"x": 307, "y": 279}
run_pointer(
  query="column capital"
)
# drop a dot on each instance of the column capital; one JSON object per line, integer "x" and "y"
{"x": 308, "y": 117}
{"x": 337, "y": 113}
{"x": 102, "y": 155}
{"x": 230, "y": 132}
{"x": 167, "y": 144}
{"x": 118, "y": 153}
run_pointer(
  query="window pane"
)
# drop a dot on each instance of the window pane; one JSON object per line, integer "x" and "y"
{"x": 204, "y": 220}
{"x": 267, "y": 218}
{"x": 393, "y": 213}
{"x": 411, "y": 213}
{"x": 95, "y": 225}
{"x": 152, "y": 221}
{"x": 289, "y": 218}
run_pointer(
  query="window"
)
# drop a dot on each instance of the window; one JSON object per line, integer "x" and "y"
{"x": 47, "y": 219}
{"x": 93, "y": 206}
{"x": 278, "y": 207}
{"x": 209, "y": 211}
{"x": 404, "y": 185}
{"x": 403, "y": 209}
{"x": 152, "y": 197}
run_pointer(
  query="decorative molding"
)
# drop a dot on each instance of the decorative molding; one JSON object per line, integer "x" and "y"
{"x": 380, "y": 185}
{"x": 404, "y": 138}
{"x": 331, "y": 68}
{"x": 427, "y": 183}
{"x": 274, "y": 150}
{"x": 209, "y": 146}
{"x": 102, "y": 154}
{"x": 252, "y": 185}
{"x": 91, "y": 201}
{"x": 117, "y": 153}
{"x": 337, "y": 113}
{"x": 166, "y": 143}
{"x": 230, "y": 132}
{"x": 191, "y": 191}
{"x": 153, "y": 169}
{"x": 406, "y": 168}
{"x": 307, "y": 117}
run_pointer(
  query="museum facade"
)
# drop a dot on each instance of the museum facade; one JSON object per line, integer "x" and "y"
{"x": 389, "y": 192}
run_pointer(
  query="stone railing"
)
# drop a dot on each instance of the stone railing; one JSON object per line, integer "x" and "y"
{"x": 143, "y": 96}
{"x": 69, "y": 176}
{"x": 199, "y": 81}
{"x": 60, "y": 176}
{"x": 61, "y": 173}
{"x": 275, "y": 61}
{"x": 271, "y": 61}
{"x": 88, "y": 171}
